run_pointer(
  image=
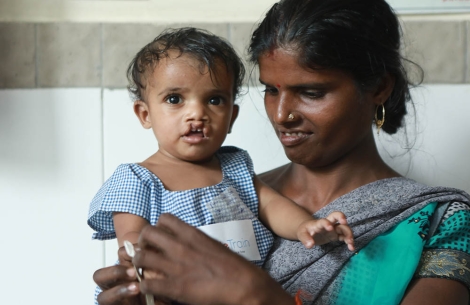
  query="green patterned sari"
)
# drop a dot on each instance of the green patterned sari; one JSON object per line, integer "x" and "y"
{"x": 391, "y": 221}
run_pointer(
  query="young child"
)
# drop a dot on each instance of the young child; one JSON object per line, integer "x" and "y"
{"x": 185, "y": 83}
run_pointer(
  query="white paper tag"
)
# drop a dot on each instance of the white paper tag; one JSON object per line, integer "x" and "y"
{"x": 237, "y": 235}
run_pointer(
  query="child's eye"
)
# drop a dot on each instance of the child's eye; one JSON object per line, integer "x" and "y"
{"x": 215, "y": 101}
{"x": 173, "y": 99}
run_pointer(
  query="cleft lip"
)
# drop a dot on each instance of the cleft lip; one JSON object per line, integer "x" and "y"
{"x": 196, "y": 128}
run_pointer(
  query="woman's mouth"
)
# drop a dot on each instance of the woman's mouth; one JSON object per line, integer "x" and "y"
{"x": 293, "y": 138}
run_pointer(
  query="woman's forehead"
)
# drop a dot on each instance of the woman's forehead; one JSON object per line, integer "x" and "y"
{"x": 284, "y": 65}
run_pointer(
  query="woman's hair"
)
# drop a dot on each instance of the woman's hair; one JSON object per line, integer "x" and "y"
{"x": 209, "y": 49}
{"x": 360, "y": 37}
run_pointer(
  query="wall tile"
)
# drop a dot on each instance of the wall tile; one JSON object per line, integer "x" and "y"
{"x": 17, "y": 55}
{"x": 120, "y": 44}
{"x": 122, "y": 41}
{"x": 240, "y": 35}
{"x": 219, "y": 29}
{"x": 69, "y": 55}
{"x": 438, "y": 47}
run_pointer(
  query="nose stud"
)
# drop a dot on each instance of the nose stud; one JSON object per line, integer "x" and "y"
{"x": 291, "y": 117}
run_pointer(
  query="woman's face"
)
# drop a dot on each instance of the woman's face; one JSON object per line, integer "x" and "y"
{"x": 332, "y": 119}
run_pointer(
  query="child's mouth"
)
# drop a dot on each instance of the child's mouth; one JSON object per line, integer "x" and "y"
{"x": 195, "y": 136}
{"x": 196, "y": 132}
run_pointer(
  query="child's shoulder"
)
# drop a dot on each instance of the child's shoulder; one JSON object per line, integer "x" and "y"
{"x": 231, "y": 151}
{"x": 131, "y": 171}
{"x": 233, "y": 158}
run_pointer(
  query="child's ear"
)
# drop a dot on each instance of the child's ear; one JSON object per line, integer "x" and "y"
{"x": 235, "y": 111}
{"x": 142, "y": 112}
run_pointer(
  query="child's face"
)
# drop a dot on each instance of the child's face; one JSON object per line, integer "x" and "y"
{"x": 189, "y": 112}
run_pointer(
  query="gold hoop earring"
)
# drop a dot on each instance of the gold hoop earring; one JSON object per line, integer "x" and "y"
{"x": 291, "y": 117}
{"x": 379, "y": 123}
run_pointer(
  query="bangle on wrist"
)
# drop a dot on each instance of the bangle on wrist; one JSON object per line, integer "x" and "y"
{"x": 297, "y": 299}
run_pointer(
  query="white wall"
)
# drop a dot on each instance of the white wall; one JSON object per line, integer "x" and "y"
{"x": 50, "y": 166}
{"x": 169, "y": 11}
{"x": 153, "y": 11}
{"x": 57, "y": 146}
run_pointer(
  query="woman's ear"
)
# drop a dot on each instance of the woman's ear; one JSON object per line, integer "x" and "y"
{"x": 142, "y": 112}
{"x": 235, "y": 111}
{"x": 384, "y": 89}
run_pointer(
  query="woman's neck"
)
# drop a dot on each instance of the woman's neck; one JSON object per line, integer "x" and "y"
{"x": 314, "y": 188}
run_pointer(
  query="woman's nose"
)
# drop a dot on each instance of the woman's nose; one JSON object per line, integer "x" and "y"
{"x": 282, "y": 109}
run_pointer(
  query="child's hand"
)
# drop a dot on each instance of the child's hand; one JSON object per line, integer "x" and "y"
{"x": 322, "y": 231}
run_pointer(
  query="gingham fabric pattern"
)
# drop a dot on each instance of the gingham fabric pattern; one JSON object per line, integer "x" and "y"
{"x": 134, "y": 189}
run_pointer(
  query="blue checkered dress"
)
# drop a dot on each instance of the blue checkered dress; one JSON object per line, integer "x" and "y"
{"x": 134, "y": 189}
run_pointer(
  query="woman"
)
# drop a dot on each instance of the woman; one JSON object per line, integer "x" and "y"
{"x": 331, "y": 69}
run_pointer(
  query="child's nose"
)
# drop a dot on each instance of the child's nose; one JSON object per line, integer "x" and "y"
{"x": 196, "y": 112}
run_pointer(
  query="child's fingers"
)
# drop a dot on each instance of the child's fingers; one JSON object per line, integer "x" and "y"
{"x": 337, "y": 218}
{"x": 319, "y": 225}
{"x": 345, "y": 234}
{"x": 351, "y": 247}
{"x": 305, "y": 238}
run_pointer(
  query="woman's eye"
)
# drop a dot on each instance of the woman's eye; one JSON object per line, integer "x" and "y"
{"x": 313, "y": 94}
{"x": 215, "y": 101}
{"x": 173, "y": 99}
{"x": 270, "y": 90}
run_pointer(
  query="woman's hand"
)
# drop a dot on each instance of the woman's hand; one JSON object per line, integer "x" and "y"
{"x": 196, "y": 269}
{"x": 118, "y": 283}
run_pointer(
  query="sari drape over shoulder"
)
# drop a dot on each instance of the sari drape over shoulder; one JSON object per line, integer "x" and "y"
{"x": 373, "y": 210}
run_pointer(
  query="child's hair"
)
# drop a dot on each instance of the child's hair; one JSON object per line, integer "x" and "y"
{"x": 204, "y": 46}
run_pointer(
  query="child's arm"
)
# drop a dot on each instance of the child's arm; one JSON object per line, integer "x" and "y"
{"x": 290, "y": 221}
{"x": 128, "y": 227}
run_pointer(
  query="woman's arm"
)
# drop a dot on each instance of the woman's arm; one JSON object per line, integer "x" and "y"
{"x": 434, "y": 291}
{"x": 200, "y": 270}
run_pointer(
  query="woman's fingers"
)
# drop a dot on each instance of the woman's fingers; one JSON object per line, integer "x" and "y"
{"x": 124, "y": 294}
{"x": 196, "y": 268}
{"x": 117, "y": 285}
{"x": 112, "y": 276}
{"x": 118, "y": 282}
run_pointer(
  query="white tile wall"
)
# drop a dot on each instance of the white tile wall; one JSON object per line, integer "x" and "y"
{"x": 440, "y": 132}
{"x": 50, "y": 167}
{"x": 57, "y": 146}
